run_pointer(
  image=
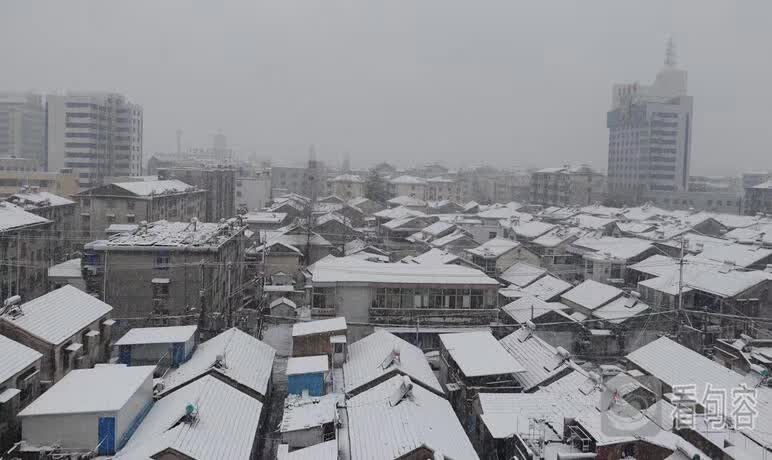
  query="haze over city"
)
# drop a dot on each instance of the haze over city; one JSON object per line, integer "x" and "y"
{"x": 514, "y": 85}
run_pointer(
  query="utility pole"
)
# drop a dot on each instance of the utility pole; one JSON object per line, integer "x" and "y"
{"x": 680, "y": 288}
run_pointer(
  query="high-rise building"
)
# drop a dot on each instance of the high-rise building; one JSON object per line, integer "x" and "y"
{"x": 95, "y": 134}
{"x": 23, "y": 127}
{"x": 650, "y": 135}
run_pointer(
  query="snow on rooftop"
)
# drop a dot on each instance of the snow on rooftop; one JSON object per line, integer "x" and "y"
{"x": 739, "y": 254}
{"x": 557, "y": 236}
{"x": 448, "y": 239}
{"x": 399, "y": 212}
{"x": 33, "y": 200}
{"x": 307, "y": 365}
{"x": 522, "y": 274}
{"x": 539, "y": 359}
{"x": 467, "y": 348}
{"x": 348, "y": 178}
{"x": 592, "y": 294}
{"x": 621, "y": 309}
{"x": 264, "y": 217}
{"x": 283, "y": 301}
{"x": 615, "y": 248}
{"x": 369, "y": 359}
{"x": 321, "y": 326}
{"x": 408, "y": 180}
{"x": 529, "y": 307}
{"x": 151, "y": 335}
{"x": 547, "y": 287}
{"x": 225, "y": 423}
{"x": 495, "y": 247}
{"x": 58, "y": 315}
{"x": 173, "y": 234}
{"x": 246, "y": 360}
{"x": 67, "y": 269}
{"x": 408, "y": 201}
{"x": 105, "y": 388}
{"x": 380, "y": 430}
{"x": 303, "y": 412}
{"x": 344, "y": 270}
{"x": 437, "y": 228}
{"x": 15, "y": 358}
{"x": 12, "y": 217}
{"x": 532, "y": 229}
{"x": 435, "y": 256}
{"x": 155, "y": 187}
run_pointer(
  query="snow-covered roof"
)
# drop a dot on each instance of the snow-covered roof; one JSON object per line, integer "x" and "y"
{"x": 105, "y": 388}
{"x": 739, "y": 254}
{"x": 58, "y": 315}
{"x": 532, "y": 229}
{"x": 303, "y": 412}
{"x": 539, "y": 359}
{"x": 327, "y": 450}
{"x": 466, "y": 348}
{"x": 319, "y": 326}
{"x": 591, "y": 222}
{"x": 155, "y": 187}
{"x": 438, "y": 228}
{"x": 408, "y": 180}
{"x": 399, "y": 212}
{"x": 495, "y": 247}
{"x": 620, "y": 310}
{"x": 408, "y": 201}
{"x": 307, "y": 365}
{"x": 448, "y": 239}
{"x": 12, "y": 216}
{"x": 225, "y": 424}
{"x": 369, "y": 359}
{"x": 121, "y": 228}
{"x": 529, "y": 307}
{"x": 404, "y": 223}
{"x": 592, "y": 294}
{"x": 247, "y": 361}
{"x": 264, "y": 217}
{"x": 600, "y": 210}
{"x": 15, "y": 358}
{"x": 67, "y": 269}
{"x": 348, "y": 178}
{"x": 34, "y": 200}
{"x": 558, "y": 236}
{"x": 522, "y": 274}
{"x": 504, "y": 212}
{"x": 435, "y": 256}
{"x": 614, "y": 248}
{"x": 345, "y": 270}
{"x": 547, "y": 287}
{"x": 172, "y": 235}
{"x": 283, "y": 301}
{"x": 150, "y": 335}
{"x": 382, "y": 430}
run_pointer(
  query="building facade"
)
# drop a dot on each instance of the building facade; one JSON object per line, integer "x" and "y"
{"x": 758, "y": 198}
{"x": 650, "y": 135}
{"x": 62, "y": 240}
{"x": 346, "y": 186}
{"x": 567, "y": 186}
{"x": 253, "y": 190}
{"x": 219, "y": 183}
{"x": 95, "y": 134}
{"x": 23, "y": 127}
{"x": 24, "y": 254}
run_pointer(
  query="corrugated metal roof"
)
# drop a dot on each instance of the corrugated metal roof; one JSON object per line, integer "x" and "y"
{"x": 319, "y": 326}
{"x": 248, "y": 361}
{"x": 303, "y": 412}
{"x": 104, "y": 388}
{"x": 224, "y": 424}
{"x": 147, "y": 335}
{"x": 529, "y": 307}
{"x": 15, "y": 357}
{"x": 367, "y": 356}
{"x": 539, "y": 359}
{"x": 547, "y": 287}
{"x": 58, "y": 315}
{"x": 468, "y": 349}
{"x": 379, "y": 430}
{"x": 592, "y": 294}
{"x": 359, "y": 271}
{"x": 522, "y": 274}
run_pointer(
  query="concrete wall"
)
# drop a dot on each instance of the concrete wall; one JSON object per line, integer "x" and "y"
{"x": 134, "y": 407}
{"x": 354, "y": 305}
{"x": 76, "y": 431}
{"x": 303, "y": 438}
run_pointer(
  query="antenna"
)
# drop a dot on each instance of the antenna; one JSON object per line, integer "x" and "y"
{"x": 670, "y": 53}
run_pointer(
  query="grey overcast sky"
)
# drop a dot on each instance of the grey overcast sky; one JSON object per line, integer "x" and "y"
{"x": 508, "y": 83}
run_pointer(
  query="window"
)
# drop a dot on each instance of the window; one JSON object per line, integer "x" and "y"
{"x": 160, "y": 289}
{"x": 130, "y": 205}
{"x": 491, "y": 235}
{"x": 162, "y": 261}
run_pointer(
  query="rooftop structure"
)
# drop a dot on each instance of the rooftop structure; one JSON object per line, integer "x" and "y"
{"x": 350, "y": 271}
{"x": 150, "y": 335}
{"x": 466, "y": 348}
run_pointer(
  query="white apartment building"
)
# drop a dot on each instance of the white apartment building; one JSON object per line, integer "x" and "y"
{"x": 95, "y": 134}
{"x": 650, "y": 135}
{"x": 23, "y": 127}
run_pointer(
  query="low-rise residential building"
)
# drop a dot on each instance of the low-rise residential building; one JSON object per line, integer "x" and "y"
{"x": 346, "y": 186}
{"x": 24, "y": 253}
{"x": 63, "y": 239}
{"x": 89, "y": 410}
{"x": 309, "y": 421}
{"x": 169, "y": 268}
{"x": 69, "y": 327}
{"x": 408, "y": 186}
{"x": 758, "y": 198}
{"x": 219, "y": 182}
{"x": 496, "y": 255}
{"x": 253, "y": 190}
{"x": 314, "y": 337}
{"x": 159, "y": 346}
{"x": 368, "y": 206}
{"x": 257, "y": 221}
{"x": 134, "y": 202}
{"x": 370, "y": 292}
{"x": 20, "y": 380}
{"x": 606, "y": 258}
{"x": 567, "y": 186}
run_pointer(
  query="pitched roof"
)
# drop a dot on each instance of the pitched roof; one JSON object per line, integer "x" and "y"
{"x": 346, "y": 270}
{"x": 303, "y": 412}
{"x": 15, "y": 357}
{"x": 307, "y": 365}
{"x": 616, "y": 248}
{"x": 435, "y": 256}
{"x": 495, "y": 247}
{"x": 32, "y": 200}
{"x": 522, "y": 274}
{"x": 408, "y": 180}
{"x": 369, "y": 359}
{"x": 225, "y": 423}
{"x": 532, "y": 229}
{"x": 248, "y": 361}
{"x": 12, "y": 216}
{"x": 592, "y": 294}
{"x": 621, "y": 309}
{"x": 155, "y": 187}
{"x": 528, "y": 307}
{"x": 547, "y": 287}
{"x": 319, "y": 326}
{"x": 739, "y": 254}
{"x": 539, "y": 359}
{"x": 148, "y": 335}
{"x": 466, "y": 348}
{"x": 58, "y": 315}
{"x": 105, "y": 388}
{"x": 379, "y": 429}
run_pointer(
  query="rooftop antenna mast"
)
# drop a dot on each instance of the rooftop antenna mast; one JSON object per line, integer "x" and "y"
{"x": 670, "y": 53}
